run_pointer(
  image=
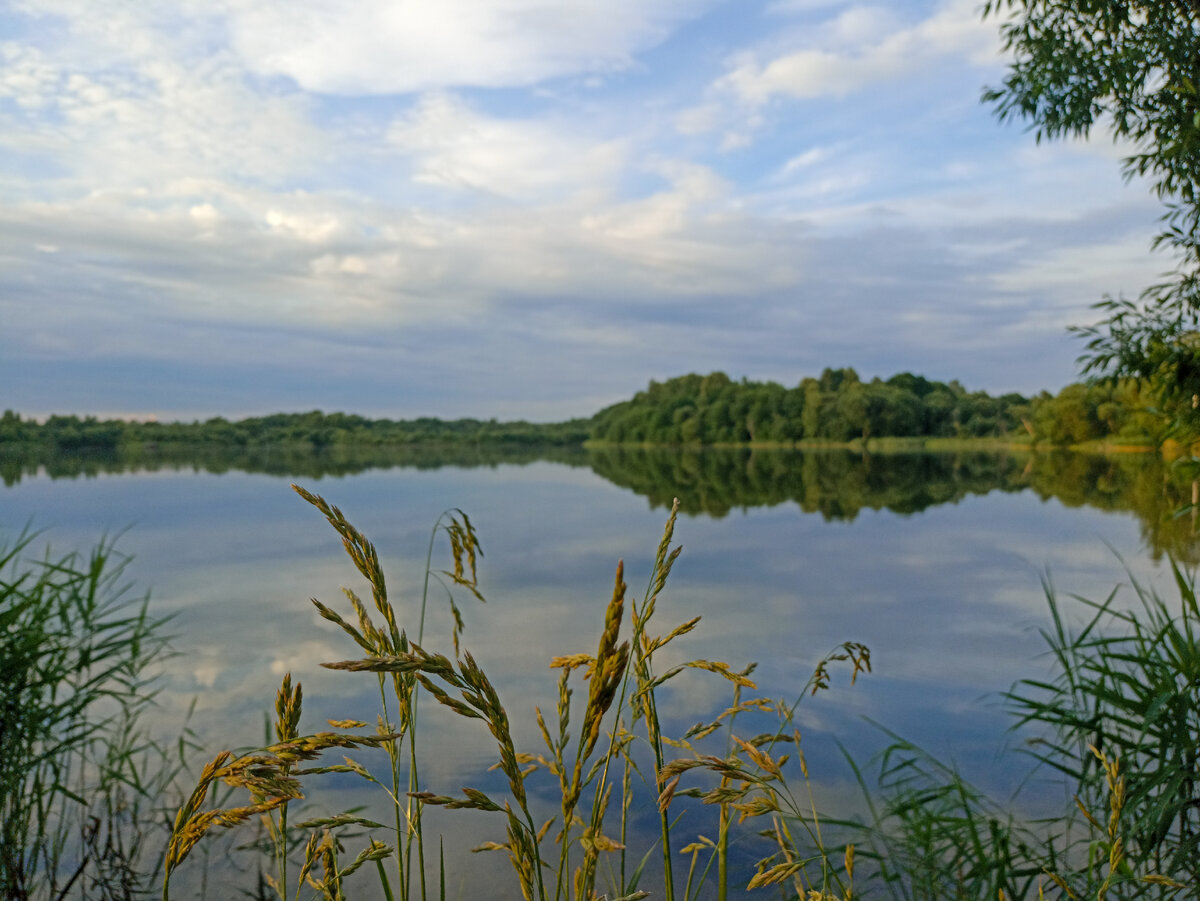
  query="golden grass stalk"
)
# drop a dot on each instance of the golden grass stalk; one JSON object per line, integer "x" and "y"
{"x": 268, "y": 776}
{"x": 622, "y": 683}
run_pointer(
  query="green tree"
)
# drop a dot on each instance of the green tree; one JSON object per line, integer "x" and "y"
{"x": 857, "y": 411}
{"x": 1135, "y": 67}
{"x": 12, "y": 428}
{"x": 940, "y": 410}
{"x": 837, "y": 379}
{"x": 897, "y": 412}
{"x": 1069, "y": 418}
{"x": 810, "y": 417}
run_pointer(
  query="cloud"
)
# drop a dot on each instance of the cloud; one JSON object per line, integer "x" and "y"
{"x": 1067, "y": 279}
{"x": 191, "y": 211}
{"x": 453, "y": 146}
{"x": 25, "y": 77}
{"x": 861, "y": 47}
{"x": 205, "y": 254}
{"x": 151, "y": 123}
{"x": 386, "y": 46}
{"x": 795, "y": 7}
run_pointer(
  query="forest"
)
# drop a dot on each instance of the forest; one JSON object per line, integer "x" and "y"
{"x": 314, "y": 430}
{"x": 691, "y": 410}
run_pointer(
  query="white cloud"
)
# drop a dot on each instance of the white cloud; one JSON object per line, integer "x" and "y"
{"x": 698, "y": 120}
{"x": 26, "y": 77}
{"x": 860, "y": 26}
{"x": 1077, "y": 276}
{"x": 385, "y": 46}
{"x": 693, "y": 189}
{"x": 312, "y": 228}
{"x": 132, "y": 96}
{"x": 861, "y": 47}
{"x": 796, "y": 7}
{"x": 454, "y": 146}
{"x": 810, "y": 157}
{"x": 204, "y": 212}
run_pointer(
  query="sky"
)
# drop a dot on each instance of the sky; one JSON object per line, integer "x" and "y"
{"x": 528, "y": 209}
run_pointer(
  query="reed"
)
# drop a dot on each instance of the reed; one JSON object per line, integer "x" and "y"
{"x": 1117, "y": 723}
{"x": 80, "y": 778}
{"x": 1127, "y": 684}
{"x": 600, "y": 754}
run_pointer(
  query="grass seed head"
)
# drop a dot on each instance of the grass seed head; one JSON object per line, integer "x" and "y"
{"x": 288, "y": 702}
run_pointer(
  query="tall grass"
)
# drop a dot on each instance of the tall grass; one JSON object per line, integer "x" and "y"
{"x": 79, "y": 777}
{"x": 1117, "y": 721}
{"x": 599, "y": 755}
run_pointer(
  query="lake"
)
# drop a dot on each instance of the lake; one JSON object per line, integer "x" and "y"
{"x": 935, "y": 562}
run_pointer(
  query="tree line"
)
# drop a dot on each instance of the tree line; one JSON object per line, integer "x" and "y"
{"x": 314, "y": 430}
{"x": 837, "y": 407}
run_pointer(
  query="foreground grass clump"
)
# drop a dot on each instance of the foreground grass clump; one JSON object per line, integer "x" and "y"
{"x": 1117, "y": 722}
{"x": 594, "y": 760}
{"x": 80, "y": 780}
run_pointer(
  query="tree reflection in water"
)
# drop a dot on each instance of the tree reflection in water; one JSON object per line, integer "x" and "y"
{"x": 836, "y": 484}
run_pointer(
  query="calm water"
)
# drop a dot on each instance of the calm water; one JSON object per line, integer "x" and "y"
{"x": 933, "y": 562}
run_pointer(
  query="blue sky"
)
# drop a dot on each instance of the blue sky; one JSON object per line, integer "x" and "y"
{"x": 528, "y": 208}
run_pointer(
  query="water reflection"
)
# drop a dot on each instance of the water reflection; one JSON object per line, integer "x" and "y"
{"x": 931, "y": 560}
{"x": 836, "y": 484}
{"x": 291, "y": 462}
